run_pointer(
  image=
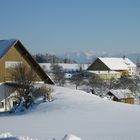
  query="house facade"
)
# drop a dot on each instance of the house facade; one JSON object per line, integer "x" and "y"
{"x": 106, "y": 75}
{"x": 123, "y": 65}
{"x": 13, "y": 53}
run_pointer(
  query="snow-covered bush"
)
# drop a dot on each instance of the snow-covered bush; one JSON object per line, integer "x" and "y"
{"x": 45, "y": 92}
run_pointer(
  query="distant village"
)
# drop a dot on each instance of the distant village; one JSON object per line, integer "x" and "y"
{"x": 111, "y": 78}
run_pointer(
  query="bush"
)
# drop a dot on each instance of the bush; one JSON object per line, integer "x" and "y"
{"x": 45, "y": 92}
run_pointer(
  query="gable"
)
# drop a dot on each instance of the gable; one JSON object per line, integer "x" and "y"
{"x": 98, "y": 65}
{"x": 17, "y": 52}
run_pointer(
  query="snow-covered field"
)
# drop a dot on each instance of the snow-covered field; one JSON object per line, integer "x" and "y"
{"x": 78, "y": 113}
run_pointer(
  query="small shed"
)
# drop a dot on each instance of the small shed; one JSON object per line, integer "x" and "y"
{"x": 121, "y": 95}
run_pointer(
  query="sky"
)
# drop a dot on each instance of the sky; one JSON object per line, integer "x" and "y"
{"x": 58, "y": 26}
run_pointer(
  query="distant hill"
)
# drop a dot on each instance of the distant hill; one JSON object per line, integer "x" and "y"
{"x": 81, "y": 57}
{"x": 89, "y": 57}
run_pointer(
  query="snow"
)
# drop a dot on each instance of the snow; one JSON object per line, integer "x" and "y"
{"x": 70, "y": 137}
{"x": 122, "y": 93}
{"x": 117, "y": 63}
{"x": 75, "y": 112}
{"x": 9, "y": 136}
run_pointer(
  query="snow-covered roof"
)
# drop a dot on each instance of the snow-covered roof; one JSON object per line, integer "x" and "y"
{"x": 117, "y": 63}
{"x": 121, "y": 93}
{"x": 5, "y": 45}
{"x": 104, "y": 72}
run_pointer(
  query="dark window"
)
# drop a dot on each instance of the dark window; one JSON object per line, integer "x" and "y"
{"x": 1, "y": 104}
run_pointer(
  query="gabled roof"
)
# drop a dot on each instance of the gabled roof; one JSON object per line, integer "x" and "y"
{"x": 5, "y": 45}
{"x": 117, "y": 63}
{"x": 121, "y": 93}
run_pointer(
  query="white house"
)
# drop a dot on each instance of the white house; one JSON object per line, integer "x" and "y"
{"x": 123, "y": 65}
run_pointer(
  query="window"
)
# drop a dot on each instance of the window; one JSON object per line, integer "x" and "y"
{"x": 12, "y": 64}
{"x": 1, "y": 104}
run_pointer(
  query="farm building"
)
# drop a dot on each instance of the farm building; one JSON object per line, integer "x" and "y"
{"x": 121, "y": 95}
{"x": 13, "y": 53}
{"x": 123, "y": 65}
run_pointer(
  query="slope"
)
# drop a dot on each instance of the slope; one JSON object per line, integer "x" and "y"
{"x": 76, "y": 112}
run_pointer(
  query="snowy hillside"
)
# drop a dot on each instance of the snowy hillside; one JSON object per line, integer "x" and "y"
{"x": 76, "y": 112}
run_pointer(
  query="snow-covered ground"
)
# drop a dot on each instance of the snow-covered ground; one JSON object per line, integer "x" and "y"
{"x": 79, "y": 113}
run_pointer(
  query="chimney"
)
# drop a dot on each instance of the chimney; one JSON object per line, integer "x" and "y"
{"x": 124, "y": 57}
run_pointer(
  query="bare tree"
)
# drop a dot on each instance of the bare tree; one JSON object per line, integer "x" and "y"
{"x": 58, "y": 74}
{"x": 77, "y": 80}
{"x": 44, "y": 91}
{"x": 94, "y": 81}
{"x": 23, "y": 79}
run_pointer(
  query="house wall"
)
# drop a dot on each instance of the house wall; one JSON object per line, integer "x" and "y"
{"x": 8, "y": 105}
{"x": 132, "y": 71}
{"x": 109, "y": 76}
{"x": 123, "y": 72}
{"x": 12, "y": 55}
{"x": 5, "y": 98}
{"x": 127, "y": 100}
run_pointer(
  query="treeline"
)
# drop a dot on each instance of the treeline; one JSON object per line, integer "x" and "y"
{"x": 49, "y": 58}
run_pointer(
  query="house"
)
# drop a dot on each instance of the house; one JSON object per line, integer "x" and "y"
{"x": 123, "y": 65}
{"x": 13, "y": 53}
{"x": 121, "y": 95}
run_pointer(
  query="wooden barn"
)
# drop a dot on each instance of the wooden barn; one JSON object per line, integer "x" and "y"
{"x": 13, "y": 53}
{"x": 121, "y": 95}
{"x": 123, "y": 65}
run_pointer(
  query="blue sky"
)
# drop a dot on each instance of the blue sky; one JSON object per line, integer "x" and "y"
{"x": 58, "y": 26}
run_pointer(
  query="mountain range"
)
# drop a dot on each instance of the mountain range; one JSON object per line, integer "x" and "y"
{"x": 90, "y": 56}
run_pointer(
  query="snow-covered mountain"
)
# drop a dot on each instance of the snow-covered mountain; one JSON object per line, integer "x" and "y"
{"x": 82, "y": 57}
{"x": 90, "y": 56}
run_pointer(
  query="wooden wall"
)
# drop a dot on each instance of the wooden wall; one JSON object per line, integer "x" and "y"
{"x": 12, "y": 55}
